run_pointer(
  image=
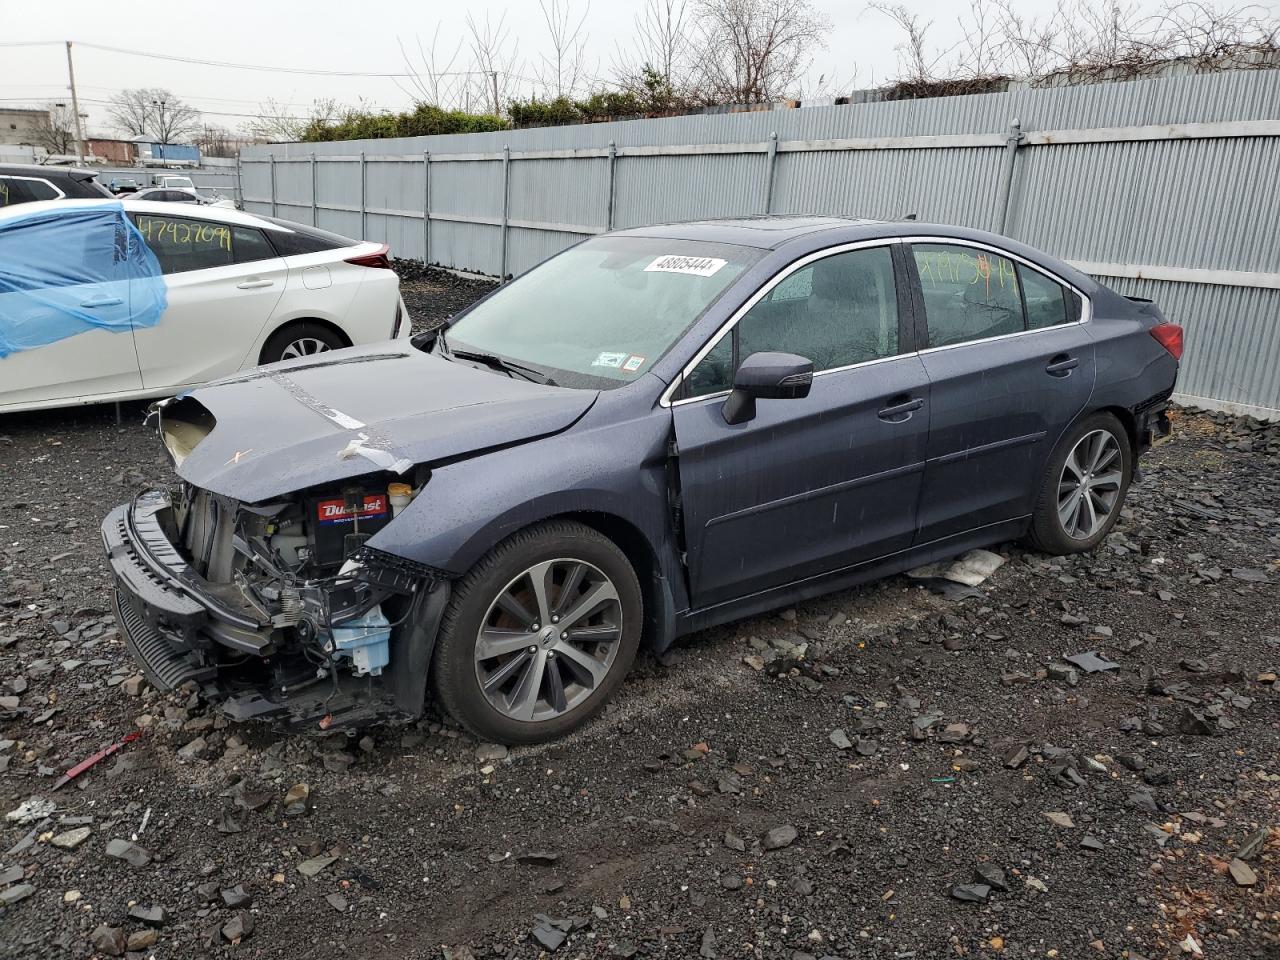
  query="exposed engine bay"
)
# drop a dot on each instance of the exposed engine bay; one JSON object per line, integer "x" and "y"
{"x": 301, "y": 619}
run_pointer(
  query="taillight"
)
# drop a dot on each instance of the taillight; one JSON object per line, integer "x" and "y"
{"x": 380, "y": 259}
{"x": 395, "y": 329}
{"x": 1169, "y": 336}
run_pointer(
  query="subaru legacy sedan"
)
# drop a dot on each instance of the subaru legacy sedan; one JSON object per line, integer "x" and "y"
{"x": 657, "y": 430}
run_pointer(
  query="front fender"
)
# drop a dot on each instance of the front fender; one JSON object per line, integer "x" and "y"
{"x": 618, "y": 469}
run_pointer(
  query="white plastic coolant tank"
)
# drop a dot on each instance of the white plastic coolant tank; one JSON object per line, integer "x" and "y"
{"x": 366, "y": 640}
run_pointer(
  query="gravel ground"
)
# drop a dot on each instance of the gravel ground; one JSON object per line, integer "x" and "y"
{"x": 433, "y": 296}
{"x": 883, "y": 773}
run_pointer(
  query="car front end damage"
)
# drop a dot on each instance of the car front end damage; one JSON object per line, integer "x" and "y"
{"x": 276, "y": 610}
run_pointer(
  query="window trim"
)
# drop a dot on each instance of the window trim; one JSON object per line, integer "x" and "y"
{"x": 665, "y": 400}
{"x": 1086, "y": 307}
{"x": 61, "y": 195}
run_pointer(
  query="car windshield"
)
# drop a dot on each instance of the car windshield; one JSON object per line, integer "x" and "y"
{"x": 602, "y": 313}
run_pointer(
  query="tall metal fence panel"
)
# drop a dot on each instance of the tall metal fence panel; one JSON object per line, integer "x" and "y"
{"x": 1161, "y": 187}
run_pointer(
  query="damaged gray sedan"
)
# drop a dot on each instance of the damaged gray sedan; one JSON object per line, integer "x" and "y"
{"x": 656, "y": 431}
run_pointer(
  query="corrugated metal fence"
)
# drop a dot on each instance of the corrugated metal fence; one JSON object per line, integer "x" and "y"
{"x": 1167, "y": 188}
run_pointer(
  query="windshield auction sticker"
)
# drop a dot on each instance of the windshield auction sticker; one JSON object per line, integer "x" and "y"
{"x": 609, "y": 360}
{"x": 698, "y": 266}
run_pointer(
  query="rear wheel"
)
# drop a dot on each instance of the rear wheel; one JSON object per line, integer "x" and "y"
{"x": 301, "y": 340}
{"x": 1084, "y": 487}
{"x": 539, "y": 635}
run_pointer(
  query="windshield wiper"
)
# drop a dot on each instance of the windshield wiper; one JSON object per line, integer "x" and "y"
{"x": 509, "y": 367}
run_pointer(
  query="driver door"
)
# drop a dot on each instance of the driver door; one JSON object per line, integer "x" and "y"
{"x": 815, "y": 484}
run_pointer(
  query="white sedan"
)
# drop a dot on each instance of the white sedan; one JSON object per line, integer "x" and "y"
{"x": 109, "y": 300}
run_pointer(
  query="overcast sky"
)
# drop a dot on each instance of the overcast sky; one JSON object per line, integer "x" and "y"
{"x": 351, "y": 36}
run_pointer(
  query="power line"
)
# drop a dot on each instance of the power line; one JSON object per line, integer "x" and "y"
{"x": 308, "y": 71}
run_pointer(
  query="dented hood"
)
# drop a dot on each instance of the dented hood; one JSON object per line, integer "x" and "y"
{"x": 294, "y": 425}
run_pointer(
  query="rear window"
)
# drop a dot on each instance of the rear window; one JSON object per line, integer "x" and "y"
{"x": 303, "y": 239}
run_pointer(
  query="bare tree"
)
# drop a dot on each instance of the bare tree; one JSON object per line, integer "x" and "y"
{"x": 55, "y": 130}
{"x": 435, "y": 77}
{"x": 214, "y": 141}
{"x": 916, "y": 62}
{"x": 154, "y": 112}
{"x": 754, "y": 51}
{"x": 561, "y": 70}
{"x": 1078, "y": 40}
{"x": 494, "y": 53}
{"x": 275, "y": 123}
{"x": 662, "y": 41}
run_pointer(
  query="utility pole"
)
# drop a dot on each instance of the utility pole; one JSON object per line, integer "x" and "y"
{"x": 497, "y": 109}
{"x": 75, "y": 107}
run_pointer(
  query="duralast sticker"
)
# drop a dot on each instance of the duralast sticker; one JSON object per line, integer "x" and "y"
{"x": 674, "y": 263}
{"x": 609, "y": 360}
{"x": 633, "y": 363}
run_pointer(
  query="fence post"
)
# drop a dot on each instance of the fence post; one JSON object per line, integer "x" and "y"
{"x": 768, "y": 175}
{"x": 239, "y": 182}
{"x": 1006, "y": 176}
{"x": 364, "y": 210}
{"x": 426, "y": 208}
{"x": 271, "y": 160}
{"x": 506, "y": 206}
{"x": 315, "y": 203}
{"x": 613, "y": 159}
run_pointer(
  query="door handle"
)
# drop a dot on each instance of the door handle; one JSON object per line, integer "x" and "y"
{"x": 253, "y": 284}
{"x": 103, "y": 302}
{"x": 900, "y": 412}
{"x": 1062, "y": 365}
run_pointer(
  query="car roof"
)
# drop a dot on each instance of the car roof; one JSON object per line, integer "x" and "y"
{"x": 764, "y": 232}
{"x": 817, "y": 232}
{"x": 44, "y": 170}
{"x": 158, "y": 207}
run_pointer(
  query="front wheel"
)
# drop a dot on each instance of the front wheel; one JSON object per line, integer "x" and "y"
{"x": 1084, "y": 487}
{"x": 539, "y": 635}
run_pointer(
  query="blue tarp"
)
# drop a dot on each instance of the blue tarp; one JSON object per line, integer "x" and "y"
{"x": 73, "y": 269}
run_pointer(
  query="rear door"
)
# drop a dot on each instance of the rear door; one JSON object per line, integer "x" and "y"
{"x": 46, "y": 352}
{"x": 1009, "y": 365}
{"x": 814, "y": 484}
{"x": 223, "y": 281}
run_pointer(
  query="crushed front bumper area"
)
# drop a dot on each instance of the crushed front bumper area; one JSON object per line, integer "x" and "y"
{"x": 182, "y": 629}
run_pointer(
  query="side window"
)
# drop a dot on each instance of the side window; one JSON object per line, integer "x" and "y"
{"x": 182, "y": 245}
{"x": 714, "y": 373}
{"x": 248, "y": 245}
{"x": 25, "y": 190}
{"x": 969, "y": 294}
{"x": 1046, "y": 300}
{"x": 838, "y": 311}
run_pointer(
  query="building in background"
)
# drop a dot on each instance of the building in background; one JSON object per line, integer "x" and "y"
{"x": 19, "y": 125}
{"x": 122, "y": 152}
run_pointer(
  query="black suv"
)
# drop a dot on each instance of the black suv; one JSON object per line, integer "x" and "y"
{"x": 23, "y": 183}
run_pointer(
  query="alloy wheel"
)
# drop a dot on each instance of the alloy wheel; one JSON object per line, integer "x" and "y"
{"x": 304, "y": 347}
{"x": 1089, "y": 488}
{"x": 548, "y": 640}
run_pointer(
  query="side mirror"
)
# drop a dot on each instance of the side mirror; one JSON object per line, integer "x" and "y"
{"x": 767, "y": 376}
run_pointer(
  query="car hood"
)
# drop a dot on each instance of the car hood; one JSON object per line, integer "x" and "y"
{"x": 293, "y": 425}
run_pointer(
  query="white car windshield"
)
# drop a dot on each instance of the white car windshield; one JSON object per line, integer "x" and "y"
{"x": 601, "y": 313}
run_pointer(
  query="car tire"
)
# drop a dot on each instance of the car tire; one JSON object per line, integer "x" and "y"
{"x": 301, "y": 340}
{"x": 1096, "y": 455}
{"x": 555, "y": 676}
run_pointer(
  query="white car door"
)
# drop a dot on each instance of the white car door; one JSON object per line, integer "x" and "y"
{"x": 46, "y": 352}
{"x": 223, "y": 282}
